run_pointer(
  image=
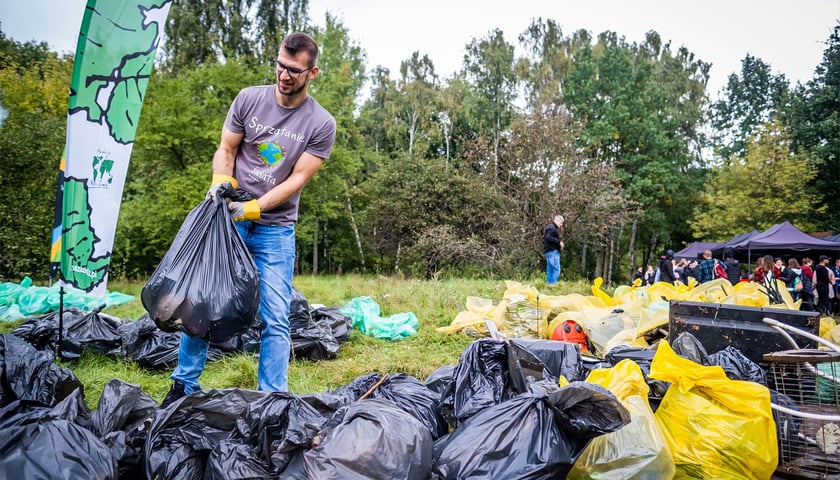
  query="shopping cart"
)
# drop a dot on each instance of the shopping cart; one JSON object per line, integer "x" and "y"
{"x": 805, "y": 399}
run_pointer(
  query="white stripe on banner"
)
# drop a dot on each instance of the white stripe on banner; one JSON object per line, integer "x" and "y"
{"x": 114, "y": 59}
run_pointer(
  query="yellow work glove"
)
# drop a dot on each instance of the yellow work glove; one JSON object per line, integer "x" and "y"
{"x": 249, "y": 210}
{"x": 216, "y": 184}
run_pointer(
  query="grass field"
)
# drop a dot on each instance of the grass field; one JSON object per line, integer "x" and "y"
{"x": 434, "y": 302}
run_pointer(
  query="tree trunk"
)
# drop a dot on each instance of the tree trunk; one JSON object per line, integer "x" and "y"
{"x": 583, "y": 272}
{"x": 397, "y": 259}
{"x": 599, "y": 264}
{"x": 315, "y": 248}
{"x": 631, "y": 249}
{"x": 355, "y": 229}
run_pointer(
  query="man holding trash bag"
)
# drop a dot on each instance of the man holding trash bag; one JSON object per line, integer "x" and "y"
{"x": 274, "y": 139}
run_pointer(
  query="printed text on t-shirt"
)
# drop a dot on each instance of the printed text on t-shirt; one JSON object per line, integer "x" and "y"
{"x": 277, "y": 132}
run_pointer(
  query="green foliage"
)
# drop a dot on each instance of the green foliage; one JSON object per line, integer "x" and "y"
{"x": 815, "y": 126}
{"x": 34, "y": 96}
{"x": 749, "y": 100}
{"x": 767, "y": 186}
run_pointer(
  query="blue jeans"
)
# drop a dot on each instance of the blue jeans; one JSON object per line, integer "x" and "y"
{"x": 273, "y": 250}
{"x": 552, "y": 267}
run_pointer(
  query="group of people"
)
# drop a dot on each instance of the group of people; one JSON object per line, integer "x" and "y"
{"x": 704, "y": 269}
{"x": 815, "y": 284}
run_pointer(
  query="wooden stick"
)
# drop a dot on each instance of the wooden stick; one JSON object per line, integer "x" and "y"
{"x": 374, "y": 387}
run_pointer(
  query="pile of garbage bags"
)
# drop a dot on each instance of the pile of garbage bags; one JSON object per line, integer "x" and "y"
{"x": 316, "y": 334}
{"x": 531, "y": 409}
{"x": 634, "y": 316}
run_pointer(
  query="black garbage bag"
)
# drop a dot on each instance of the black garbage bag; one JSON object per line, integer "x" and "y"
{"x": 737, "y": 366}
{"x": 149, "y": 346}
{"x": 688, "y": 346}
{"x": 529, "y": 436}
{"x": 560, "y": 358}
{"x": 414, "y": 397}
{"x": 277, "y": 427}
{"x": 183, "y": 434}
{"x": 120, "y": 421}
{"x": 372, "y": 439}
{"x": 30, "y": 374}
{"x": 440, "y": 379}
{"x": 43, "y": 442}
{"x": 42, "y": 331}
{"x": 791, "y": 444}
{"x": 488, "y": 373}
{"x": 207, "y": 284}
{"x": 300, "y": 315}
{"x": 92, "y": 331}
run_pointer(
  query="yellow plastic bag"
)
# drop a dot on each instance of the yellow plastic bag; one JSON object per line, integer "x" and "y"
{"x": 639, "y": 450}
{"x": 716, "y": 427}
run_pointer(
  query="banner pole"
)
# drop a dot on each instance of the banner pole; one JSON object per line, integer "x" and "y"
{"x": 60, "y": 320}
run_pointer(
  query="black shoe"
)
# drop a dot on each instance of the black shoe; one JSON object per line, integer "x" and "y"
{"x": 175, "y": 393}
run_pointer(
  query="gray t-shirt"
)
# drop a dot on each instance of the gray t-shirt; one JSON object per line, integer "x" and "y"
{"x": 275, "y": 138}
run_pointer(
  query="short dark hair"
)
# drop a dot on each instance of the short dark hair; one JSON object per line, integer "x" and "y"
{"x": 297, "y": 42}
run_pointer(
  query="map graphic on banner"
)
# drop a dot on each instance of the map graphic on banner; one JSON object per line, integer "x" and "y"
{"x": 114, "y": 59}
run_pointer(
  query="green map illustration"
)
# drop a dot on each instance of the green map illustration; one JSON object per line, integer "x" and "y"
{"x": 82, "y": 269}
{"x": 102, "y": 170}
{"x": 119, "y": 53}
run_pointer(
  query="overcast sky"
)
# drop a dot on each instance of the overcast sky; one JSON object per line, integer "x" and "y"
{"x": 789, "y": 35}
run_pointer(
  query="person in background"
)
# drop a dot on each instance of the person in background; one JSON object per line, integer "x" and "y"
{"x": 836, "y": 271}
{"x": 666, "y": 267}
{"x": 807, "y": 285}
{"x": 274, "y": 139}
{"x": 650, "y": 275}
{"x": 792, "y": 276}
{"x": 552, "y": 245}
{"x": 706, "y": 268}
{"x": 733, "y": 267}
{"x": 822, "y": 284}
{"x": 638, "y": 275}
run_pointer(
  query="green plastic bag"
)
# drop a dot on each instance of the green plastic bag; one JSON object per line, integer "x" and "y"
{"x": 366, "y": 318}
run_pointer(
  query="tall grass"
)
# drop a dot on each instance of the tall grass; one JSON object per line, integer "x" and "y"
{"x": 434, "y": 302}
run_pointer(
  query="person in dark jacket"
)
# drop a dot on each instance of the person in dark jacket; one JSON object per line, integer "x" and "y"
{"x": 552, "y": 244}
{"x": 666, "y": 267}
{"x": 733, "y": 267}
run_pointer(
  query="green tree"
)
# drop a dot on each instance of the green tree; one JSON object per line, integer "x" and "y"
{"x": 490, "y": 70}
{"x": 34, "y": 98}
{"x": 202, "y": 32}
{"x": 768, "y": 185}
{"x": 274, "y": 20}
{"x": 815, "y": 126}
{"x": 749, "y": 100}
{"x": 641, "y": 107}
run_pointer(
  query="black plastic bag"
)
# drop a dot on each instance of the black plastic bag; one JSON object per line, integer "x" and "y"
{"x": 182, "y": 436}
{"x": 42, "y": 442}
{"x": 30, "y": 374}
{"x": 737, "y": 366}
{"x": 372, "y": 439}
{"x": 488, "y": 373}
{"x": 560, "y": 358}
{"x": 149, "y": 346}
{"x": 414, "y": 397}
{"x": 120, "y": 421}
{"x": 529, "y": 436}
{"x": 207, "y": 284}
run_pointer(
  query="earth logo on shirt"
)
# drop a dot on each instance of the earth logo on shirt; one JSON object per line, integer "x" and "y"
{"x": 271, "y": 153}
